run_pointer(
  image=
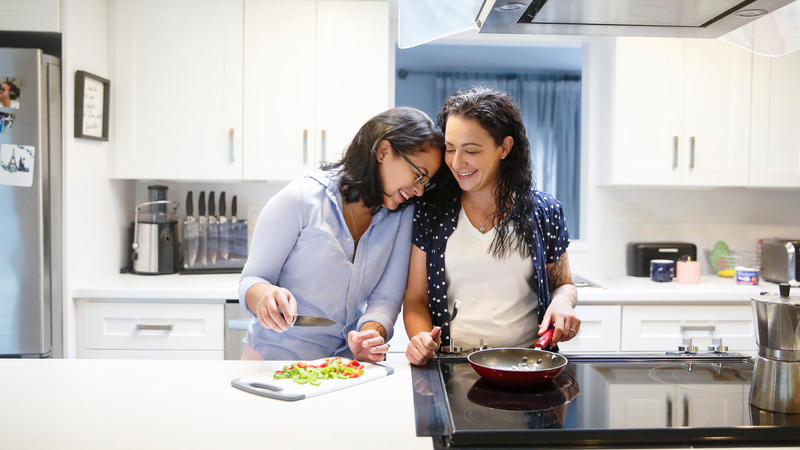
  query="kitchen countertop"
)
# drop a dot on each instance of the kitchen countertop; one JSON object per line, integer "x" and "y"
{"x": 121, "y": 404}
{"x": 622, "y": 290}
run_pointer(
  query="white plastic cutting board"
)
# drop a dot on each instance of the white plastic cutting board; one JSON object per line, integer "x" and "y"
{"x": 261, "y": 382}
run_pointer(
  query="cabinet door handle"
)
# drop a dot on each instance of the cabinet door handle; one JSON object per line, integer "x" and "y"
{"x": 322, "y": 147}
{"x": 143, "y": 327}
{"x": 709, "y": 328}
{"x": 691, "y": 152}
{"x": 669, "y": 411}
{"x": 305, "y": 146}
{"x": 674, "y": 152}
{"x": 230, "y": 145}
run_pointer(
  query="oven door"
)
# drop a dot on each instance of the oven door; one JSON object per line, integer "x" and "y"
{"x": 236, "y": 322}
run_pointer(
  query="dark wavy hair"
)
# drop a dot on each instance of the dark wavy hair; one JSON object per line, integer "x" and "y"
{"x": 500, "y": 117}
{"x": 408, "y": 130}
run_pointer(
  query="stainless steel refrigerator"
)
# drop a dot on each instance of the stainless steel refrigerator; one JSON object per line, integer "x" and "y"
{"x": 30, "y": 205}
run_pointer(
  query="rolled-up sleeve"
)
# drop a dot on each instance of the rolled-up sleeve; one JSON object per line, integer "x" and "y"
{"x": 275, "y": 234}
{"x": 385, "y": 301}
{"x": 554, "y": 227}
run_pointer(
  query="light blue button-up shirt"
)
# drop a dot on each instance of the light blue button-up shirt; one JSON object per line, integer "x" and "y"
{"x": 301, "y": 243}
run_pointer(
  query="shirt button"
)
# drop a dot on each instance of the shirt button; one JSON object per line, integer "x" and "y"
{"x": 348, "y": 239}
{"x": 351, "y": 300}
{"x": 358, "y": 270}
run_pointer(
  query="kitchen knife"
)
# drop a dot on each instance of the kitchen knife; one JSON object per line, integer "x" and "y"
{"x": 213, "y": 229}
{"x": 202, "y": 221}
{"x": 310, "y": 321}
{"x": 191, "y": 231}
{"x": 238, "y": 242}
{"x": 224, "y": 229}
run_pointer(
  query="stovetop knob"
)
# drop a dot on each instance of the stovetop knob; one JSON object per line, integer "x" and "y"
{"x": 716, "y": 346}
{"x": 686, "y": 346}
{"x": 483, "y": 344}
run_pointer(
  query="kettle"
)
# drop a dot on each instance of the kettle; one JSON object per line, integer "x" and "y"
{"x": 155, "y": 238}
{"x": 776, "y": 380}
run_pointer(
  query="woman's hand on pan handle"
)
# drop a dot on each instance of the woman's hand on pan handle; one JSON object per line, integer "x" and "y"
{"x": 368, "y": 344}
{"x": 272, "y": 304}
{"x": 563, "y": 298}
{"x": 423, "y": 346}
{"x": 562, "y": 317}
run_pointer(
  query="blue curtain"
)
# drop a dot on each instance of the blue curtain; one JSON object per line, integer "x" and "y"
{"x": 551, "y": 111}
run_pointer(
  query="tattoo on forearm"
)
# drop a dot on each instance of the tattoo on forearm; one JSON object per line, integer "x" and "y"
{"x": 558, "y": 274}
{"x": 568, "y": 292}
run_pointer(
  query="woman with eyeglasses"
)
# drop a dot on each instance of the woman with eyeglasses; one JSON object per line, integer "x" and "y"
{"x": 487, "y": 239}
{"x": 336, "y": 244}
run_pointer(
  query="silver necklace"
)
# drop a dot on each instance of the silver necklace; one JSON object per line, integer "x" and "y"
{"x": 482, "y": 227}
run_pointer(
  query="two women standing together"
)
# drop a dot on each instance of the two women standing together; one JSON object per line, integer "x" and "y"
{"x": 345, "y": 243}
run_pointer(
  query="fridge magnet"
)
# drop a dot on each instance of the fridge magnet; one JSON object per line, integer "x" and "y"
{"x": 9, "y": 92}
{"x": 91, "y": 106}
{"x": 16, "y": 165}
{"x": 6, "y": 121}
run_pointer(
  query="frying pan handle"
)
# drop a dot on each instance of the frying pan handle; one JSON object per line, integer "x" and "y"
{"x": 545, "y": 338}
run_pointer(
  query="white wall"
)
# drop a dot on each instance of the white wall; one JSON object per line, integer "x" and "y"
{"x": 94, "y": 206}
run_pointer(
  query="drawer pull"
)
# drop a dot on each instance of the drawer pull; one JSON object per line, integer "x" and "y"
{"x": 709, "y": 328}
{"x": 143, "y": 327}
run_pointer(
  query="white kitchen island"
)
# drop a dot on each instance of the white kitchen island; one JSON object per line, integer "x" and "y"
{"x": 146, "y": 404}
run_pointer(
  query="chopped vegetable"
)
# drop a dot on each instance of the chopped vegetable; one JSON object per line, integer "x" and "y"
{"x": 332, "y": 368}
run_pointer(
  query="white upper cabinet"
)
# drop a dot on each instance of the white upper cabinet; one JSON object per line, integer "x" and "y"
{"x": 648, "y": 111}
{"x": 244, "y": 89}
{"x": 279, "y": 81}
{"x": 681, "y": 112}
{"x": 352, "y": 71}
{"x": 30, "y": 15}
{"x": 178, "y": 82}
{"x": 775, "y": 143}
{"x": 716, "y": 113}
{"x": 314, "y": 73}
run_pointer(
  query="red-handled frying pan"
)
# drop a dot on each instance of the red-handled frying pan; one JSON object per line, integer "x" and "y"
{"x": 519, "y": 367}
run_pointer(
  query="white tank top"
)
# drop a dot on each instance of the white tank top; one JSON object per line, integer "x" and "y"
{"x": 497, "y": 302}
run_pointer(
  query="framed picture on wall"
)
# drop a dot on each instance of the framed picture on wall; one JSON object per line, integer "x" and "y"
{"x": 92, "y": 95}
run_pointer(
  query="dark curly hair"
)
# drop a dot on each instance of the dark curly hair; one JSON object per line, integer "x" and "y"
{"x": 408, "y": 130}
{"x": 500, "y": 117}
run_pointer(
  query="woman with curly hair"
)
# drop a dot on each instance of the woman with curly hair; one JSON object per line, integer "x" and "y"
{"x": 502, "y": 242}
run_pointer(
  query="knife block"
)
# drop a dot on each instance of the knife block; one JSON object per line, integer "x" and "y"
{"x": 223, "y": 244}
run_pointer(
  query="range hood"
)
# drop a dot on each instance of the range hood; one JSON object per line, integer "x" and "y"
{"x": 650, "y": 18}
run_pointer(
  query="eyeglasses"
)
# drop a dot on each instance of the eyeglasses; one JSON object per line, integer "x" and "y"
{"x": 422, "y": 180}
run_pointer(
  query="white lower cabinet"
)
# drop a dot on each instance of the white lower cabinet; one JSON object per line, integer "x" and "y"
{"x": 600, "y": 330}
{"x": 677, "y": 405}
{"x": 662, "y": 327}
{"x": 115, "y": 330}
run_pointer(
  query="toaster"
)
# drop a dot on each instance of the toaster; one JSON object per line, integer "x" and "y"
{"x": 639, "y": 255}
{"x": 780, "y": 260}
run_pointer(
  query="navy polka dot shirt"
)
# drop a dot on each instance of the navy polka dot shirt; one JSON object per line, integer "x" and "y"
{"x": 431, "y": 231}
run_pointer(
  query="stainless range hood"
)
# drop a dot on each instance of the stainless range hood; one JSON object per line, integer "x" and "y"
{"x": 651, "y": 18}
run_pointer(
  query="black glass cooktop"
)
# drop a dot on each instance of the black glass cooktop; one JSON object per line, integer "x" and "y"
{"x": 608, "y": 401}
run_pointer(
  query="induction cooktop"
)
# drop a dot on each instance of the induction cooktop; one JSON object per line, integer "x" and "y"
{"x": 646, "y": 400}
